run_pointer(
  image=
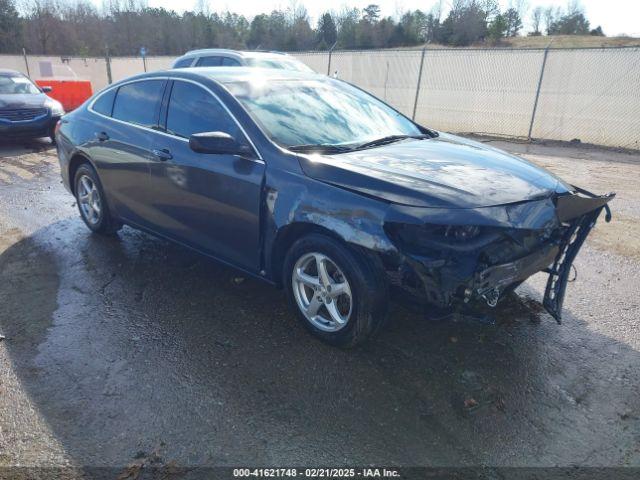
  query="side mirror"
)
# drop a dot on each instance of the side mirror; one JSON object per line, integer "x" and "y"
{"x": 217, "y": 142}
{"x": 46, "y": 89}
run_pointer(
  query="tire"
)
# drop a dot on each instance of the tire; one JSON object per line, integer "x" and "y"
{"x": 93, "y": 208}
{"x": 52, "y": 135}
{"x": 361, "y": 305}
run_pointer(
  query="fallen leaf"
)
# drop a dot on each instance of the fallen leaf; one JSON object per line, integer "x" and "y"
{"x": 470, "y": 403}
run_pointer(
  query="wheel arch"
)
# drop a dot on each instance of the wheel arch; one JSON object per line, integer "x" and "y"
{"x": 290, "y": 233}
{"x": 286, "y": 237}
{"x": 76, "y": 160}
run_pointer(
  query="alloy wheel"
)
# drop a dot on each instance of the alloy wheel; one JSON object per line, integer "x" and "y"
{"x": 89, "y": 200}
{"x": 322, "y": 292}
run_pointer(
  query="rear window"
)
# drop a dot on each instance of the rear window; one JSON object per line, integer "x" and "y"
{"x": 183, "y": 63}
{"x": 209, "y": 62}
{"x": 139, "y": 102}
{"x": 230, "y": 62}
{"x": 104, "y": 103}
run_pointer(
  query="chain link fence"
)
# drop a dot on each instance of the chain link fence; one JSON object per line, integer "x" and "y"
{"x": 591, "y": 95}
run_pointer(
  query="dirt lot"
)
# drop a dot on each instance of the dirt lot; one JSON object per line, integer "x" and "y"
{"x": 120, "y": 349}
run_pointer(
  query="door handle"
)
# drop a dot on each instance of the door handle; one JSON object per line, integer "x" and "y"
{"x": 102, "y": 136}
{"x": 162, "y": 154}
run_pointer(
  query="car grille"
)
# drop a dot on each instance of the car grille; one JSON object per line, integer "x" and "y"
{"x": 21, "y": 114}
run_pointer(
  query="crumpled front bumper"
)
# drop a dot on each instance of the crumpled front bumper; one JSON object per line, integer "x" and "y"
{"x": 455, "y": 280}
{"x": 577, "y": 232}
{"x": 490, "y": 283}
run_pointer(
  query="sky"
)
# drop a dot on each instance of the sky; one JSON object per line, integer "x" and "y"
{"x": 615, "y": 16}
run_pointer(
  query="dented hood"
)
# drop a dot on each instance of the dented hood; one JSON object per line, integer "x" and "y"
{"x": 444, "y": 172}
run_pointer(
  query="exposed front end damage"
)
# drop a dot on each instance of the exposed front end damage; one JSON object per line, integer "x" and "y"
{"x": 438, "y": 248}
{"x": 451, "y": 258}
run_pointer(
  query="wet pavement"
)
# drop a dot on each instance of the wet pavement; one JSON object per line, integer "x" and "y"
{"x": 119, "y": 348}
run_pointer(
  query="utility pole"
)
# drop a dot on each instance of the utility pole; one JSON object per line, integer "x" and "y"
{"x": 415, "y": 102}
{"x": 108, "y": 63}
{"x": 26, "y": 61}
{"x": 329, "y": 62}
{"x": 535, "y": 103}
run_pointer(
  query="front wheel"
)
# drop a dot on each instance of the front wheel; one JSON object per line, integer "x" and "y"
{"x": 339, "y": 292}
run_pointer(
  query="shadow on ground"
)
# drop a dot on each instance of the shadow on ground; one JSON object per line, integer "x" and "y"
{"x": 132, "y": 347}
{"x": 11, "y": 147}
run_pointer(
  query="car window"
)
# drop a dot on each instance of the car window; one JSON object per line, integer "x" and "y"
{"x": 209, "y": 62}
{"x": 104, "y": 103}
{"x": 183, "y": 63}
{"x": 230, "y": 62}
{"x": 16, "y": 85}
{"x": 194, "y": 110}
{"x": 319, "y": 112}
{"x": 138, "y": 102}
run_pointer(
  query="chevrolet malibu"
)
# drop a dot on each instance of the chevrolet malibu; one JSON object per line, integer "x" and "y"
{"x": 314, "y": 185}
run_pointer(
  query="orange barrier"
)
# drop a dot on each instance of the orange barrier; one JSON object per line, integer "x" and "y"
{"x": 70, "y": 93}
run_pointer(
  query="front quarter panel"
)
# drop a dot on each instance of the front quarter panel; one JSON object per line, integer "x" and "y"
{"x": 294, "y": 199}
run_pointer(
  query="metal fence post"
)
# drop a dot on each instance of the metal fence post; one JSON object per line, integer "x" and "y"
{"x": 107, "y": 59}
{"x": 535, "y": 104}
{"x": 26, "y": 61}
{"x": 329, "y": 61}
{"x": 415, "y": 102}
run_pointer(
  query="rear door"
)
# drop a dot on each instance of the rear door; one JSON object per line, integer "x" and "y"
{"x": 211, "y": 202}
{"x": 121, "y": 149}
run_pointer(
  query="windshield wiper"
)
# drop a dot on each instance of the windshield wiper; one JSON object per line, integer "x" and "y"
{"x": 390, "y": 139}
{"x": 323, "y": 148}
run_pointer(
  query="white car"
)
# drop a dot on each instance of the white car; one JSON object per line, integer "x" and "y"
{"x": 218, "y": 57}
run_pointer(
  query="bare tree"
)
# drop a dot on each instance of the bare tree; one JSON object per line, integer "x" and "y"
{"x": 436, "y": 11}
{"x": 550, "y": 14}
{"x": 202, "y": 7}
{"x": 536, "y": 19}
{"x": 43, "y": 19}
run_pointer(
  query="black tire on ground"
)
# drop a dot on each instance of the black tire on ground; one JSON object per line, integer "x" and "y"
{"x": 105, "y": 223}
{"x": 367, "y": 280}
{"x": 52, "y": 135}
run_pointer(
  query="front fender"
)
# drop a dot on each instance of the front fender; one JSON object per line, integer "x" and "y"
{"x": 294, "y": 200}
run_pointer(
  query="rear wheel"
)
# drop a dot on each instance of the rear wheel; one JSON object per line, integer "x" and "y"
{"x": 338, "y": 292}
{"x": 91, "y": 202}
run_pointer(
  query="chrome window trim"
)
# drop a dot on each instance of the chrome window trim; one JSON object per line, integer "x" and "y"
{"x": 207, "y": 89}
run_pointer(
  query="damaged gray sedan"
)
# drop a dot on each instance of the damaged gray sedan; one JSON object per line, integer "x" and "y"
{"x": 310, "y": 183}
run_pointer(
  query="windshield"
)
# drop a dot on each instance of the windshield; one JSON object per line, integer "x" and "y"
{"x": 319, "y": 112}
{"x": 279, "y": 64}
{"x": 16, "y": 84}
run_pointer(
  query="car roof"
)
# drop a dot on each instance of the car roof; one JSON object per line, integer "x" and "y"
{"x": 237, "y": 53}
{"x": 222, "y": 75}
{"x": 12, "y": 73}
{"x": 239, "y": 74}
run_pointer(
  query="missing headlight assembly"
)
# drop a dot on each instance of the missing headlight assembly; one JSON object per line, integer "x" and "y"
{"x": 457, "y": 257}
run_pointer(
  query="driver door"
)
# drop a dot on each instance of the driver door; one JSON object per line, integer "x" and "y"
{"x": 208, "y": 201}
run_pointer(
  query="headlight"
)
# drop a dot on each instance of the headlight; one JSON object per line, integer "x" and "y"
{"x": 55, "y": 106}
{"x": 461, "y": 232}
{"x": 427, "y": 237}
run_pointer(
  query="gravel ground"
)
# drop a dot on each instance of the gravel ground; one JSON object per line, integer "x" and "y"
{"x": 120, "y": 350}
